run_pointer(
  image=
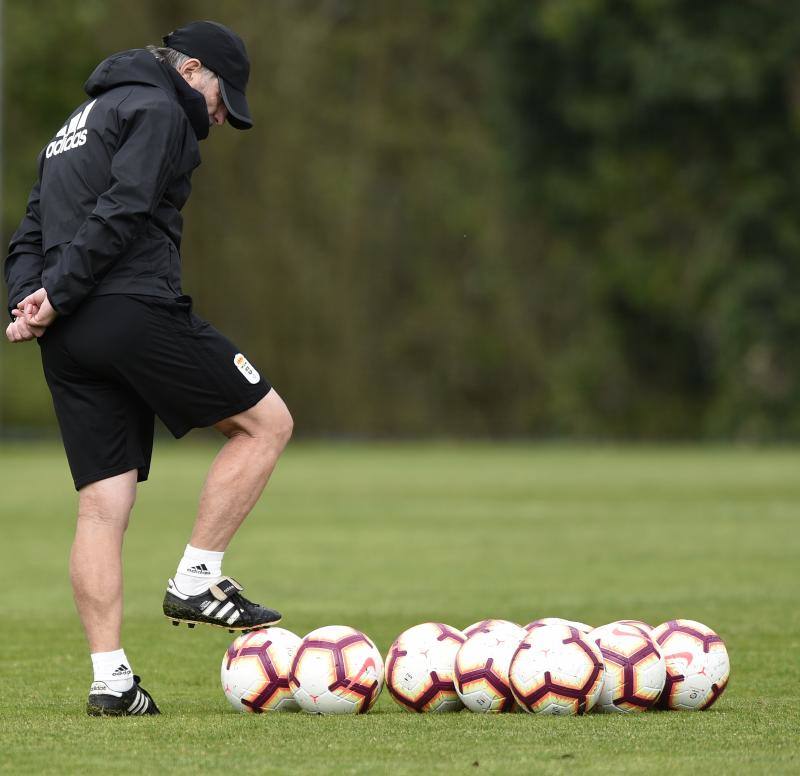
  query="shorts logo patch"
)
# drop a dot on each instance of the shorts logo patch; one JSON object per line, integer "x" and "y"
{"x": 246, "y": 368}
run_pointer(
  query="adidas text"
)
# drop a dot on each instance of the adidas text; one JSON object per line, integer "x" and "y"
{"x": 72, "y": 135}
{"x": 66, "y": 144}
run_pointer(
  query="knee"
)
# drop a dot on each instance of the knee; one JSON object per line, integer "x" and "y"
{"x": 274, "y": 428}
{"x": 283, "y": 426}
{"x": 108, "y": 502}
{"x": 269, "y": 423}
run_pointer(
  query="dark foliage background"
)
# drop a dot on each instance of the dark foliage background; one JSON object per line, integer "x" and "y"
{"x": 488, "y": 217}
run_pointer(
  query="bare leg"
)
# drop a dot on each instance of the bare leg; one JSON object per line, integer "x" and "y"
{"x": 96, "y": 560}
{"x": 256, "y": 438}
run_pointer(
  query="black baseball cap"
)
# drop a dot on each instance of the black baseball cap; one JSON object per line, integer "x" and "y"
{"x": 220, "y": 49}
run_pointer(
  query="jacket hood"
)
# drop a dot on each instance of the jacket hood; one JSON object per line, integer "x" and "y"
{"x": 139, "y": 66}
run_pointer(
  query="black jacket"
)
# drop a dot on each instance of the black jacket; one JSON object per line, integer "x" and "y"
{"x": 104, "y": 216}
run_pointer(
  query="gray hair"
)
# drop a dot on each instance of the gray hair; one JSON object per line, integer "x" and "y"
{"x": 173, "y": 58}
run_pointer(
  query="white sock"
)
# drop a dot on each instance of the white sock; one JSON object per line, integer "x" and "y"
{"x": 114, "y": 669}
{"x": 198, "y": 570}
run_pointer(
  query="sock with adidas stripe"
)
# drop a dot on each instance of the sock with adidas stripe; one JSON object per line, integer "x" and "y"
{"x": 113, "y": 669}
{"x": 198, "y": 570}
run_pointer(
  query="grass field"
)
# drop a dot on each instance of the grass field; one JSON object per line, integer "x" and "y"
{"x": 382, "y": 537}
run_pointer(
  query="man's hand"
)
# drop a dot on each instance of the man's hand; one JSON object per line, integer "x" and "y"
{"x": 33, "y": 315}
{"x": 22, "y": 331}
{"x": 37, "y": 310}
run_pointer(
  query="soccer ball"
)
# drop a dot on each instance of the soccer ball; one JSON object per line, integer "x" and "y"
{"x": 255, "y": 671}
{"x": 486, "y": 626}
{"x": 634, "y": 668}
{"x": 581, "y": 626}
{"x": 697, "y": 661}
{"x": 640, "y": 624}
{"x": 481, "y": 669}
{"x": 337, "y": 670}
{"x": 420, "y": 668}
{"x": 556, "y": 670}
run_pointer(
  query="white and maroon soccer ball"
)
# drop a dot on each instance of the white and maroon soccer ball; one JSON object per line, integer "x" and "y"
{"x": 481, "y": 669}
{"x": 486, "y": 626}
{"x": 255, "y": 671}
{"x": 697, "y": 662}
{"x": 641, "y": 624}
{"x": 634, "y": 668}
{"x": 581, "y": 626}
{"x": 420, "y": 668}
{"x": 337, "y": 670}
{"x": 556, "y": 670}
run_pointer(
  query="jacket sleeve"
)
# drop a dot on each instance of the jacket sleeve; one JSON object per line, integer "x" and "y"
{"x": 25, "y": 260}
{"x": 146, "y": 155}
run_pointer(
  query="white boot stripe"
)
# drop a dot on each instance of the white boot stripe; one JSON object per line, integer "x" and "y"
{"x": 225, "y": 609}
{"x": 133, "y": 708}
{"x": 235, "y": 616}
{"x": 211, "y": 607}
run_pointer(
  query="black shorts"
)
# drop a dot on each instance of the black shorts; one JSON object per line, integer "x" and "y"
{"x": 118, "y": 361}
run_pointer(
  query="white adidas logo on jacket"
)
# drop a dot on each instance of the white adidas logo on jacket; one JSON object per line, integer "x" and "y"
{"x": 72, "y": 135}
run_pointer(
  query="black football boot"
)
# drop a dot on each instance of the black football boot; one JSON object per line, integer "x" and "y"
{"x": 105, "y": 702}
{"x": 222, "y": 605}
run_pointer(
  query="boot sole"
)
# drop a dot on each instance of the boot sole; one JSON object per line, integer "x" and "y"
{"x": 176, "y": 621}
{"x": 102, "y": 711}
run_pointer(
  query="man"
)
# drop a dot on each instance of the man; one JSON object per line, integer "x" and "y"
{"x": 93, "y": 274}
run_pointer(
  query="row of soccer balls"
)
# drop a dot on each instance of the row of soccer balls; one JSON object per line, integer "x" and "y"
{"x": 551, "y": 666}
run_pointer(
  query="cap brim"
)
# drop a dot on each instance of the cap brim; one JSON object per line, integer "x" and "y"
{"x": 236, "y": 103}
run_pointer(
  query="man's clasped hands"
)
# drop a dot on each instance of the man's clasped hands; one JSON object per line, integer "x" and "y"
{"x": 32, "y": 316}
